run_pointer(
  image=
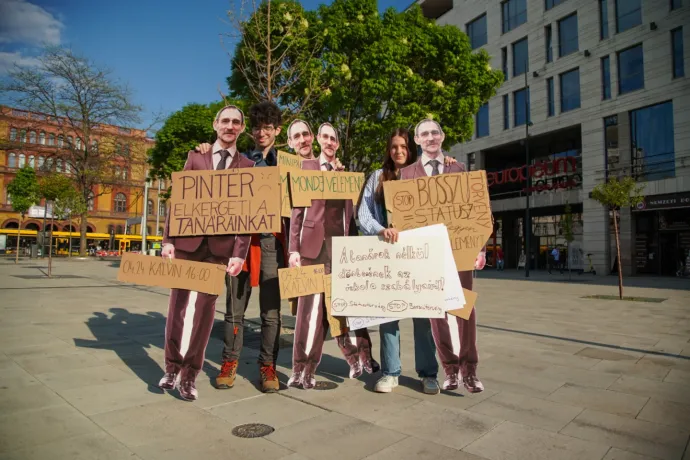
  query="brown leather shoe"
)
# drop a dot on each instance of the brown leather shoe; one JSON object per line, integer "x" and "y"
{"x": 168, "y": 381}
{"x": 188, "y": 390}
{"x": 269, "y": 379}
{"x": 226, "y": 378}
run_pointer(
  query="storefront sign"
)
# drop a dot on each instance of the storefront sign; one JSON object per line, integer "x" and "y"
{"x": 669, "y": 201}
{"x": 546, "y": 175}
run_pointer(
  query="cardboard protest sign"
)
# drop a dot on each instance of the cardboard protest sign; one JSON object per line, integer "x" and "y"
{"x": 229, "y": 201}
{"x": 460, "y": 200}
{"x": 470, "y": 301}
{"x": 338, "y": 326}
{"x": 172, "y": 273}
{"x": 301, "y": 281}
{"x": 306, "y": 186}
{"x": 287, "y": 163}
{"x": 453, "y": 291}
{"x": 375, "y": 278}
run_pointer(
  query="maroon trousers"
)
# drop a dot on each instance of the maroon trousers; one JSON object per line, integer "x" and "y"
{"x": 456, "y": 338}
{"x": 185, "y": 344}
{"x": 312, "y": 325}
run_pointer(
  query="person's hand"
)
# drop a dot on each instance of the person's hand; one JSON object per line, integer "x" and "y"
{"x": 234, "y": 266}
{"x": 338, "y": 165}
{"x": 168, "y": 251}
{"x": 480, "y": 261}
{"x": 203, "y": 148}
{"x": 295, "y": 260}
{"x": 390, "y": 235}
{"x": 448, "y": 160}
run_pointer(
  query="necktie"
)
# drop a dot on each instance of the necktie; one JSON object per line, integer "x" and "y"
{"x": 224, "y": 154}
{"x": 329, "y": 167}
{"x": 434, "y": 167}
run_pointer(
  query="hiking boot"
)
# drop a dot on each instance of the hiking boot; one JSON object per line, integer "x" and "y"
{"x": 386, "y": 384}
{"x": 430, "y": 386}
{"x": 269, "y": 379}
{"x": 226, "y": 378}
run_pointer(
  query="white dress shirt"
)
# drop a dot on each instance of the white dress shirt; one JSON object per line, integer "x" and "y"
{"x": 323, "y": 161}
{"x": 428, "y": 167}
{"x": 216, "y": 155}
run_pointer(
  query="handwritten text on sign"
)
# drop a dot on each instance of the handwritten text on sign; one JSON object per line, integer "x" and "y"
{"x": 373, "y": 278}
{"x": 245, "y": 200}
{"x": 287, "y": 163}
{"x": 460, "y": 200}
{"x": 306, "y": 186}
{"x": 301, "y": 281}
{"x": 172, "y": 273}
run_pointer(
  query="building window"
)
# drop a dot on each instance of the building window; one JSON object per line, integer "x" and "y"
{"x": 58, "y": 165}
{"x": 471, "y": 159}
{"x": 41, "y": 162}
{"x": 550, "y": 97}
{"x": 32, "y": 137}
{"x": 11, "y": 160}
{"x": 13, "y": 134}
{"x": 482, "y": 121}
{"x": 603, "y": 19}
{"x": 51, "y": 139}
{"x": 506, "y": 112}
{"x": 120, "y": 202}
{"x": 605, "y": 78}
{"x": 675, "y": 4}
{"x": 549, "y": 43}
{"x": 521, "y": 109}
{"x": 551, "y": 3}
{"x": 119, "y": 229}
{"x": 22, "y": 135}
{"x": 149, "y": 207}
{"x": 476, "y": 31}
{"x": 32, "y": 161}
{"x": 504, "y": 62}
{"x": 520, "y": 57}
{"x": 630, "y": 69}
{"x": 611, "y": 141}
{"x": 161, "y": 208}
{"x": 49, "y": 164}
{"x": 78, "y": 143}
{"x": 8, "y": 197}
{"x": 61, "y": 141}
{"x": 513, "y": 14}
{"x": 70, "y": 142}
{"x": 570, "y": 90}
{"x": 567, "y": 35}
{"x": 677, "y": 51}
{"x": 628, "y": 14}
{"x": 90, "y": 204}
{"x": 22, "y": 160}
{"x": 42, "y": 138}
{"x": 652, "y": 144}
{"x": 94, "y": 146}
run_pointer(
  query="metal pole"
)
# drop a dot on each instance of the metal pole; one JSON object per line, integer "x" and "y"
{"x": 528, "y": 221}
{"x": 158, "y": 206}
{"x": 145, "y": 217}
{"x": 43, "y": 238}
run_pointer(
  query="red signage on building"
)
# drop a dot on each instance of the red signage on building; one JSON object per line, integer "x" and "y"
{"x": 545, "y": 175}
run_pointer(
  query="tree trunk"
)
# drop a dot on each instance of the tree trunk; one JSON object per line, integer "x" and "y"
{"x": 618, "y": 255}
{"x": 50, "y": 247}
{"x": 82, "y": 235}
{"x": 19, "y": 235}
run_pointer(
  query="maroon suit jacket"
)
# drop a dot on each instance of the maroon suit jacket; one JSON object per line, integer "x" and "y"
{"x": 225, "y": 246}
{"x": 307, "y": 224}
{"x": 416, "y": 170}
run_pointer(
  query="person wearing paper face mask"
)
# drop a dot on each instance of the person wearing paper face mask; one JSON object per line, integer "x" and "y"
{"x": 311, "y": 231}
{"x": 183, "y": 361}
{"x": 373, "y": 221}
{"x": 455, "y": 338}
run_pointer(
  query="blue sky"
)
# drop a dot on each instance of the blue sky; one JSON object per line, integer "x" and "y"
{"x": 169, "y": 52}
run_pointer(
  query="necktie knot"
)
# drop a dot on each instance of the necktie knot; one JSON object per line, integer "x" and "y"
{"x": 224, "y": 154}
{"x": 329, "y": 167}
{"x": 435, "y": 167}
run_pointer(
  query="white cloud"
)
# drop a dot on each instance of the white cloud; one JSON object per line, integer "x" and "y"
{"x": 8, "y": 60}
{"x": 24, "y": 23}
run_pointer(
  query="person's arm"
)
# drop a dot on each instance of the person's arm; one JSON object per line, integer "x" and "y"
{"x": 367, "y": 221}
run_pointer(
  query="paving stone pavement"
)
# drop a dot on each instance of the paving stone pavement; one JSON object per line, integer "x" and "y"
{"x": 565, "y": 377}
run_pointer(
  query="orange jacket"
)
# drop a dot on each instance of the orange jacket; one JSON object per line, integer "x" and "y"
{"x": 253, "y": 262}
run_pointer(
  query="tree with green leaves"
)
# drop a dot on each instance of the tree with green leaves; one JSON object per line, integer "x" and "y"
{"x": 184, "y": 130}
{"x": 67, "y": 206}
{"x": 616, "y": 194}
{"x": 24, "y": 193}
{"x": 78, "y": 98}
{"x": 567, "y": 231}
{"x": 380, "y": 72}
{"x": 54, "y": 188}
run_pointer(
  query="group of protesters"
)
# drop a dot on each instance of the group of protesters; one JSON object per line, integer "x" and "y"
{"x": 306, "y": 239}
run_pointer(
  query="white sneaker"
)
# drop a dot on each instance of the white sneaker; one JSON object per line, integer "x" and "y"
{"x": 386, "y": 384}
{"x": 430, "y": 386}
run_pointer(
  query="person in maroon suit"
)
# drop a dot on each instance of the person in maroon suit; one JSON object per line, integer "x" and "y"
{"x": 311, "y": 230}
{"x": 184, "y": 358}
{"x": 451, "y": 331}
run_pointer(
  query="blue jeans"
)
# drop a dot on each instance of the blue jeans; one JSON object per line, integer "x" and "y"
{"x": 424, "y": 348}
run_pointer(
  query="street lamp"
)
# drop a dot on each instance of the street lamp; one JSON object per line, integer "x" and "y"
{"x": 528, "y": 220}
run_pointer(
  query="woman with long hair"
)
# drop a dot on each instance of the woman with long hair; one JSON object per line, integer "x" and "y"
{"x": 373, "y": 221}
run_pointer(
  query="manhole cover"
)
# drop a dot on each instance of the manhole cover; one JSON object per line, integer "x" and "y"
{"x": 252, "y": 430}
{"x": 323, "y": 386}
